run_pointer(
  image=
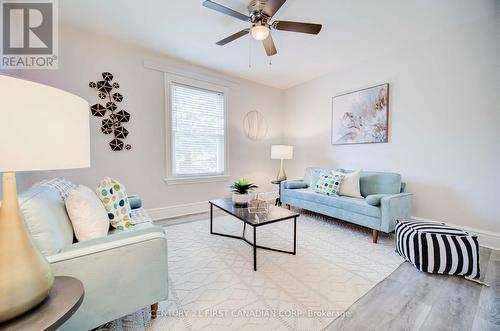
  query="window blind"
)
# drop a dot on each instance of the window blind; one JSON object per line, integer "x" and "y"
{"x": 197, "y": 131}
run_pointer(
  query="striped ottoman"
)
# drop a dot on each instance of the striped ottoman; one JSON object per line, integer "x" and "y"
{"x": 438, "y": 248}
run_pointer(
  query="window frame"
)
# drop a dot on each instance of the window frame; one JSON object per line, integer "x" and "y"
{"x": 169, "y": 148}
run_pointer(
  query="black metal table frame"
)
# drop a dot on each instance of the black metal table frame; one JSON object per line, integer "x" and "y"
{"x": 254, "y": 243}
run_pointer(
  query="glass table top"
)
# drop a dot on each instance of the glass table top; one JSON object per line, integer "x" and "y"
{"x": 256, "y": 212}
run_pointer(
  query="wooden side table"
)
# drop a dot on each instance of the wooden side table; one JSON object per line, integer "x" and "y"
{"x": 63, "y": 301}
{"x": 278, "y": 199}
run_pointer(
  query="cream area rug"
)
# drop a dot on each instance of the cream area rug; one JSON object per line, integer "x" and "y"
{"x": 213, "y": 285}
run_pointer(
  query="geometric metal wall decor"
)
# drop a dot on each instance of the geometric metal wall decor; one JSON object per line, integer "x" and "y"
{"x": 114, "y": 123}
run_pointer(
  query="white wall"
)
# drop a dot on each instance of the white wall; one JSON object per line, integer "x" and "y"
{"x": 444, "y": 124}
{"x": 83, "y": 57}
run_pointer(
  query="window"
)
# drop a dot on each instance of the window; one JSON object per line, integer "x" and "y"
{"x": 197, "y": 123}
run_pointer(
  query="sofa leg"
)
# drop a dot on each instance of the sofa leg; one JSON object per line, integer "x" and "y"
{"x": 154, "y": 310}
{"x": 375, "y": 236}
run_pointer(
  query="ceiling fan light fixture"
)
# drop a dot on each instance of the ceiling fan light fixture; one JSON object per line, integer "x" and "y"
{"x": 260, "y": 32}
{"x": 261, "y": 13}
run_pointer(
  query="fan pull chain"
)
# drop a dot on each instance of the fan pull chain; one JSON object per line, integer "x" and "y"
{"x": 249, "y": 53}
{"x": 270, "y": 61}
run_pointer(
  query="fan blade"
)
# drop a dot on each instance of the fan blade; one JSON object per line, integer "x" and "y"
{"x": 225, "y": 10}
{"x": 272, "y": 6}
{"x": 269, "y": 46}
{"x": 233, "y": 37}
{"x": 297, "y": 27}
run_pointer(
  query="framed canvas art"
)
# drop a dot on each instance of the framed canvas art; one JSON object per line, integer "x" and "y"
{"x": 361, "y": 117}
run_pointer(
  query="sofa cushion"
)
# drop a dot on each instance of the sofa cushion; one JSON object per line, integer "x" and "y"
{"x": 379, "y": 183}
{"x": 354, "y": 205}
{"x": 370, "y": 182}
{"x": 46, "y": 218}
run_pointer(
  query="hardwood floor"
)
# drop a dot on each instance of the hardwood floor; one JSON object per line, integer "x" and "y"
{"x": 412, "y": 300}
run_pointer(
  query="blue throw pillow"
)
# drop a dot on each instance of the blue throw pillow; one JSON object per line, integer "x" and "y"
{"x": 135, "y": 201}
{"x": 374, "y": 199}
{"x": 295, "y": 184}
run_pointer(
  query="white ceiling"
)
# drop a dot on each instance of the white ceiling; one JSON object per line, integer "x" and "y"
{"x": 353, "y": 31}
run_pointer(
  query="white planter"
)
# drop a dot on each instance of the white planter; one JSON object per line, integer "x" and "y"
{"x": 242, "y": 199}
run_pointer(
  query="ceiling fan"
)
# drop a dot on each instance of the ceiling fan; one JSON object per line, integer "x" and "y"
{"x": 260, "y": 14}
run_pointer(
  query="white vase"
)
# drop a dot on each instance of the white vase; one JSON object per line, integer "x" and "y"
{"x": 242, "y": 199}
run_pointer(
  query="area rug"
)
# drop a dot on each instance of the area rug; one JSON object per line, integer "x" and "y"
{"x": 213, "y": 285}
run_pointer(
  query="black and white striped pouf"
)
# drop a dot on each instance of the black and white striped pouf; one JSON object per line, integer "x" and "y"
{"x": 438, "y": 248}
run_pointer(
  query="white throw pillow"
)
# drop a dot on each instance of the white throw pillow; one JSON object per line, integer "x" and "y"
{"x": 87, "y": 214}
{"x": 350, "y": 185}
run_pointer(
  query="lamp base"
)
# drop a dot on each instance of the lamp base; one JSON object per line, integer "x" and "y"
{"x": 26, "y": 277}
{"x": 281, "y": 175}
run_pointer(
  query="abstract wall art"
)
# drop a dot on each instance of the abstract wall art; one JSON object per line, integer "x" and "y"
{"x": 113, "y": 124}
{"x": 361, "y": 117}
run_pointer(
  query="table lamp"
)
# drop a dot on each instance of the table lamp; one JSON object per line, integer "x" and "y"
{"x": 281, "y": 152}
{"x": 41, "y": 128}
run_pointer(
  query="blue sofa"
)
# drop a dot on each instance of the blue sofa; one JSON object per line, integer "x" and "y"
{"x": 384, "y": 202}
{"x": 122, "y": 272}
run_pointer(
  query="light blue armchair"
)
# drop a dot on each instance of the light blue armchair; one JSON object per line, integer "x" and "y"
{"x": 121, "y": 273}
{"x": 384, "y": 199}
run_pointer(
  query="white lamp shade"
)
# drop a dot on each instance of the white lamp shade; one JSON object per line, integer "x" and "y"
{"x": 41, "y": 127}
{"x": 281, "y": 152}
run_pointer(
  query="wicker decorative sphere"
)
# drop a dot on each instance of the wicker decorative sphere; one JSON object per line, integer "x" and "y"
{"x": 255, "y": 125}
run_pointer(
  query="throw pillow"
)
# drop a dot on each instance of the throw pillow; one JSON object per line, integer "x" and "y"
{"x": 374, "y": 199}
{"x": 114, "y": 198}
{"x": 295, "y": 184}
{"x": 87, "y": 214}
{"x": 350, "y": 186}
{"x": 329, "y": 183}
{"x": 135, "y": 202}
{"x": 60, "y": 184}
{"x": 46, "y": 218}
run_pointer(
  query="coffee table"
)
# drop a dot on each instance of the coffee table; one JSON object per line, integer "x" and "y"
{"x": 272, "y": 214}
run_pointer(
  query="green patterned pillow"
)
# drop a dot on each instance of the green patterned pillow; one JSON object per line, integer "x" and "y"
{"x": 329, "y": 183}
{"x": 114, "y": 198}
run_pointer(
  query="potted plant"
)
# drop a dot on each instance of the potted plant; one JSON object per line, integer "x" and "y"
{"x": 242, "y": 190}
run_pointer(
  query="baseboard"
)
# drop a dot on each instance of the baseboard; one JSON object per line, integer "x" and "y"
{"x": 487, "y": 239}
{"x": 194, "y": 208}
{"x": 178, "y": 210}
